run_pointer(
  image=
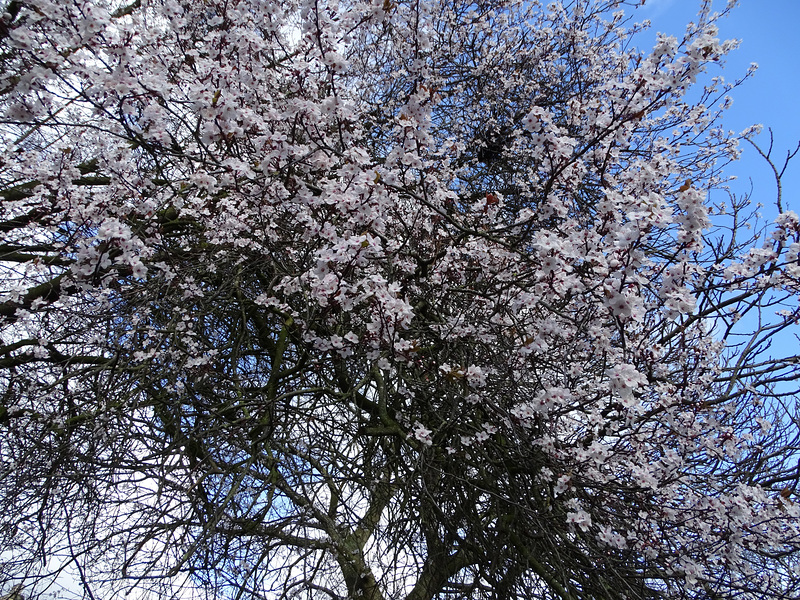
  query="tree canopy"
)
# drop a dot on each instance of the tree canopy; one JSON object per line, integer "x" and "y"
{"x": 387, "y": 299}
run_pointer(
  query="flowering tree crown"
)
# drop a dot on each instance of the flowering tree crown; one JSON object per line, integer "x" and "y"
{"x": 386, "y": 299}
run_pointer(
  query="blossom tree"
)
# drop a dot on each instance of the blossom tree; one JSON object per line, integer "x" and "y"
{"x": 387, "y": 299}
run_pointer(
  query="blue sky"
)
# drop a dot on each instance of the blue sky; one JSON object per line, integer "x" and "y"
{"x": 768, "y": 33}
{"x": 768, "y": 30}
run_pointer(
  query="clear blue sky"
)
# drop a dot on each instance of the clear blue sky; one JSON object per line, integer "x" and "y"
{"x": 768, "y": 30}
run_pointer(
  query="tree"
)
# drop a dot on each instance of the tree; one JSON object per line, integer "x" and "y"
{"x": 387, "y": 300}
